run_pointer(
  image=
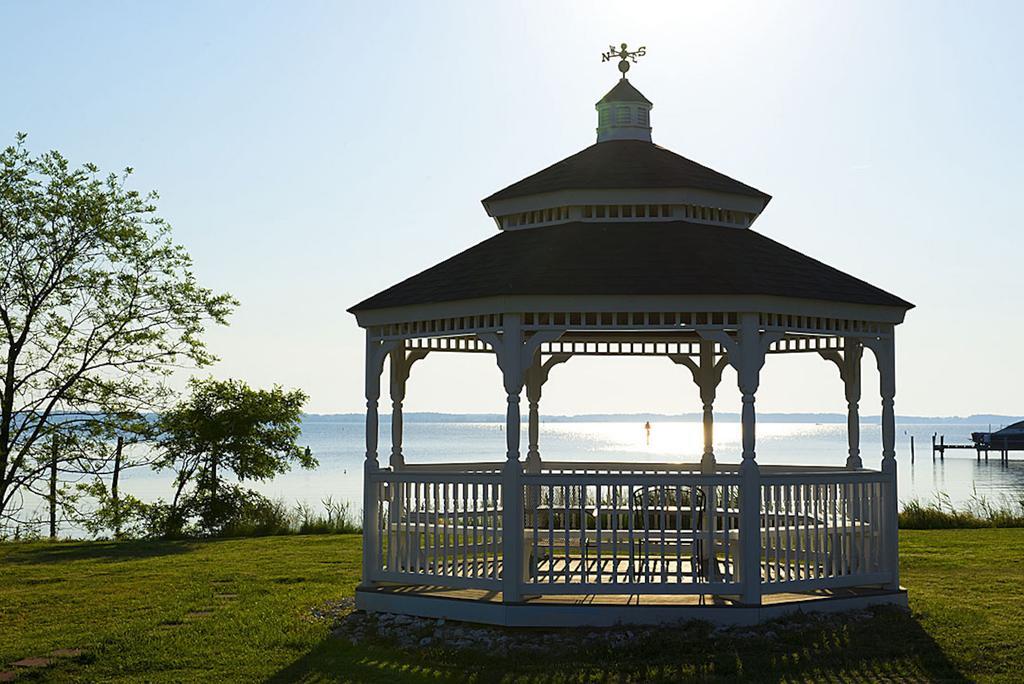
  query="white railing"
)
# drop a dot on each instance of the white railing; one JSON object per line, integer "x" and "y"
{"x": 593, "y": 533}
{"x": 635, "y": 467}
{"x": 618, "y": 528}
{"x": 822, "y": 530}
{"x": 616, "y": 467}
{"x": 464, "y": 467}
{"x": 439, "y": 528}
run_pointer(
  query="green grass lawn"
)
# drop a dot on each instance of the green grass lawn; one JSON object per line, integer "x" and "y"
{"x": 239, "y": 610}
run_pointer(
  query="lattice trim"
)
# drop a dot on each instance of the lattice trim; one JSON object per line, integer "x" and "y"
{"x": 629, "y": 320}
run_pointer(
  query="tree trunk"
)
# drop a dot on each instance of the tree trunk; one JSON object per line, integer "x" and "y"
{"x": 182, "y": 481}
{"x": 114, "y": 499}
{"x": 213, "y": 480}
{"x": 3, "y": 495}
{"x": 53, "y": 490}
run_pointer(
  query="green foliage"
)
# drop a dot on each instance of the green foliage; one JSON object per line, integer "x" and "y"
{"x": 978, "y": 512}
{"x": 135, "y": 518}
{"x": 249, "y": 515}
{"x": 338, "y": 518}
{"x": 97, "y": 307}
{"x": 260, "y": 517}
{"x": 246, "y": 513}
{"x": 226, "y": 427}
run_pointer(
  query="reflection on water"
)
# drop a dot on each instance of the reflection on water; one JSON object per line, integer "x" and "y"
{"x": 338, "y": 444}
{"x": 959, "y": 475}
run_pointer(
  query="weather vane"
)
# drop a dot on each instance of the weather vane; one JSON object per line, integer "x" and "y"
{"x": 624, "y": 55}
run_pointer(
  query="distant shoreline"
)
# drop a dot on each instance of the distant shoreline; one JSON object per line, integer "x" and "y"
{"x": 429, "y": 417}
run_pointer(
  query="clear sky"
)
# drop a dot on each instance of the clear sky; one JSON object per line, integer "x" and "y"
{"x": 309, "y": 154}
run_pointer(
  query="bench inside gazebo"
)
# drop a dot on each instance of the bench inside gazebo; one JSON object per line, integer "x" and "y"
{"x": 626, "y": 249}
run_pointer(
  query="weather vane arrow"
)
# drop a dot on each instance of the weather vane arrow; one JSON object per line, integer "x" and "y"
{"x": 625, "y": 56}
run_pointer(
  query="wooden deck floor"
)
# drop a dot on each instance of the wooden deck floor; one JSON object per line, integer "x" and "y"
{"x": 478, "y": 595}
{"x": 655, "y": 570}
{"x": 572, "y": 607}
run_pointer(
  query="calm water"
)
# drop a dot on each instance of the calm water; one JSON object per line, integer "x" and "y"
{"x": 338, "y": 444}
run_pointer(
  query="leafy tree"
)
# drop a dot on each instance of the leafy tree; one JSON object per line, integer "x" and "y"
{"x": 226, "y": 427}
{"x": 127, "y": 516}
{"x": 97, "y": 506}
{"x": 97, "y": 307}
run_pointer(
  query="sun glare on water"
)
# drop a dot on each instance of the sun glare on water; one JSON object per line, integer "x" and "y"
{"x": 667, "y": 441}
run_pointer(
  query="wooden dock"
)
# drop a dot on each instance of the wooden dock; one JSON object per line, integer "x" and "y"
{"x": 939, "y": 447}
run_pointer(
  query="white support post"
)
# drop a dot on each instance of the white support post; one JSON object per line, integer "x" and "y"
{"x": 853, "y": 350}
{"x": 850, "y": 370}
{"x": 707, "y": 374}
{"x": 885, "y": 354}
{"x": 376, "y": 352}
{"x": 401, "y": 365}
{"x": 536, "y": 375}
{"x": 708, "y": 389}
{"x": 849, "y": 364}
{"x": 515, "y": 353}
{"x": 511, "y": 361}
{"x": 533, "y": 392}
{"x": 399, "y": 375}
{"x": 747, "y": 355}
{"x": 749, "y": 375}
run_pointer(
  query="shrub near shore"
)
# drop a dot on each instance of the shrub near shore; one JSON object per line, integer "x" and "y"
{"x": 978, "y": 512}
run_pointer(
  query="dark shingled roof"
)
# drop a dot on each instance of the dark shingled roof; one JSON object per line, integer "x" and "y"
{"x": 624, "y": 92}
{"x": 1009, "y": 429}
{"x": 625, "y": 164}
{"x": 669, "y": 258}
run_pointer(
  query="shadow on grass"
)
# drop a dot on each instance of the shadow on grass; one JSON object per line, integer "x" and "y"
{"x": 63, "y": 552}
{"x": 889, "y": 645}
{"x": 337, "y": 660}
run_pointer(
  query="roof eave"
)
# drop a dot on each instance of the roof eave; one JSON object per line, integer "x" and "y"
{"x": 881, "y": 313}
{"x": 579, "y": 196}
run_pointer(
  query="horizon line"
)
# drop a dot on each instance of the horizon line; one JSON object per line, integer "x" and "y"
{"x": 805, "y": 417}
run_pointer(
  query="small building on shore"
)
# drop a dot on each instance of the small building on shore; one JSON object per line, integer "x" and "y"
{"x": 1009, "y": 438}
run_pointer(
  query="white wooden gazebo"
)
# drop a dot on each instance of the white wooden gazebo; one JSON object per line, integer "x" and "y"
{"x": 626, "y": 248}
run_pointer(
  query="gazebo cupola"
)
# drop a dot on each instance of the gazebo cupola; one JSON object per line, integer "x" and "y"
{"x": 625, "y": 177}
{"x": 624, "y": 114}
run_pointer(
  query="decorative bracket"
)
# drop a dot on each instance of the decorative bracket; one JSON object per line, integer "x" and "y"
{"x": 846, "y": 360}
{"x": 376, "y": 352}
{"x": 506, "y": 349}
{"x": 702, "y": 375}
{"x": 537, "y": 374}
{"x": 731, "y": 345}
{"x": 532, "y": 344}
{"x": 402, "y": 362}
{"x": 836, "y": 357}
